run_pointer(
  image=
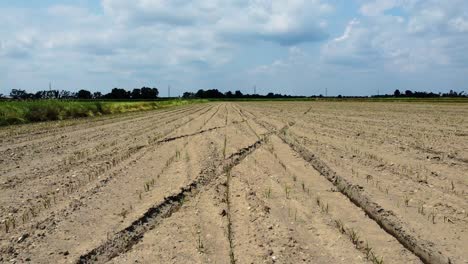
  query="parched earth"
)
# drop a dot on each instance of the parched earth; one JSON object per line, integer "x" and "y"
{"x": 247, "y": 182}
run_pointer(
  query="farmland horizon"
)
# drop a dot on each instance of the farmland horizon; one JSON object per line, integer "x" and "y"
{"x": 151, "y": 93}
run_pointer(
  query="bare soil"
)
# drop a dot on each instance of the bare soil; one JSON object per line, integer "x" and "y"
{"x": 250, "y": 182}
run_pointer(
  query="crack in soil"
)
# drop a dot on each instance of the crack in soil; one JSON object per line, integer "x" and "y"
{"x": 195, "y": 133}
{"x": 125, "y": 239}
{"x": 228, "y": 214}
{"x": 188, "y": 135}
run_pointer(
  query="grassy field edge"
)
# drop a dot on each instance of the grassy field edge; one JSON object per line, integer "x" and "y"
{"x": 22, "y": 112}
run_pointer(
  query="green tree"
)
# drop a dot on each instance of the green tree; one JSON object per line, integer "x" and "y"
{"x": 84, "y": 94}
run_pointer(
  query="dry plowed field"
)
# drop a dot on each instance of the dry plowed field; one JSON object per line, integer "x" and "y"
{"x": 246, "y": 182}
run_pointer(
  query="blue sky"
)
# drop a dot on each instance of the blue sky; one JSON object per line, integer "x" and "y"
{"x": 349, "y": 47}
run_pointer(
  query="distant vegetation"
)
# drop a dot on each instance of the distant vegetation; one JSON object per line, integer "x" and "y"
{"x": 24, "y": 107}
{"x": 147, "y": 93}
{"x": 144, "y": 93}
{"x": 26, "y": 111}
{"x": 411, "y": 94}
{"x": 215, "y": 94}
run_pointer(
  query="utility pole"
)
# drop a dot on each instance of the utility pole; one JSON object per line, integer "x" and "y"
{"x": 255, "y": 89}
{"x": 169, "y": 91}
{"x": 326, "y": 92}
{"x": 50, "y": 86}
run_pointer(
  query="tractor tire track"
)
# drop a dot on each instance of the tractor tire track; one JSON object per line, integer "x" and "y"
{"x": 425, "y": 250}
{"x": 125, "y": 239}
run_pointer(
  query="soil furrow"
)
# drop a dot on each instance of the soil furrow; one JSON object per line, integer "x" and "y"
{"x": 78, "y": 156}
{"x": 87, "y": 175}
{"x": 125, "y": 239}
{"x": 425, "y": 250}
{"x": 50, "y": 133}
{"x": 239, "y": 182}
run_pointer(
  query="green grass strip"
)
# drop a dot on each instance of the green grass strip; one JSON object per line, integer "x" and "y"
{"x": 21, "y": 112}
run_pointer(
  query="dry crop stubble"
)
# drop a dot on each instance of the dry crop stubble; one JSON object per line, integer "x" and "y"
{"x": 271, "y": 179}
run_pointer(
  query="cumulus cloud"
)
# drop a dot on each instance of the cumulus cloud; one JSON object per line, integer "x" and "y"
{"x": 427, "y": 35}
{"x": 283, "y": 22}
{"x": 296, "y": 58}
{"x": 147, "y": 13}
{"x": 157, "y": 33}
{"x": 122, "y": 41}
{"x": 375, "y": 8}
{"x": 379, "y": 7}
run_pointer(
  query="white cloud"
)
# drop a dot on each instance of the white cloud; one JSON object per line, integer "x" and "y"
{"x": 427, "y": 20}
{"x": 296, "y": 58}
{"x": 459, "y": 24}
{"x": 375, "y": 8}
{"x": 379, "y": 7}
{"x": 278, "y": 21}
{"x": 145, "y": 40}
{"x": 428, "y": 35}
{"x": 167, "y": 32}
{"x": 347, "y": 31}
{"x": 145, "y": 13}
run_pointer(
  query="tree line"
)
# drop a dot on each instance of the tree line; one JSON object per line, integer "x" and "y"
{"x": 137, "y": 93}
{"x": 215, "y": 93}
{"x": 146, "y": 93}
{"x": 409, "y": 93}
